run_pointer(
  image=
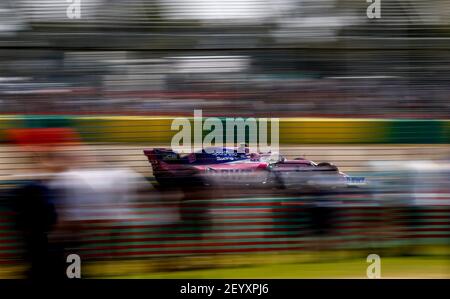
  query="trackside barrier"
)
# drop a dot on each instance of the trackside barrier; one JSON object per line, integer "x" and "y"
{"x": 157, "y": 130}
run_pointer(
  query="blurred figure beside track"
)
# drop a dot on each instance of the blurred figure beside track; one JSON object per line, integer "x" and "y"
{"x": 69, "y": 192}
{"x": 35, "y": 201}
{"x": 95, "y": 196}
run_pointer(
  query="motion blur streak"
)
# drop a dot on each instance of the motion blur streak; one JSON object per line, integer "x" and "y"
{"x": 82, "y": 98}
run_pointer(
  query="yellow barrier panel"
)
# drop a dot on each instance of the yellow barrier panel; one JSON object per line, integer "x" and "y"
{"x": 129, "y": 129}
{"x": 322, "y": 130}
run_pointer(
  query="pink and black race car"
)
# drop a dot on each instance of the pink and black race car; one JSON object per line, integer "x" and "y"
{"x": 223, "y": 166}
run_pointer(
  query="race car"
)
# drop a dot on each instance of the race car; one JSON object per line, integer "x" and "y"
{"x": 225, "y": 167}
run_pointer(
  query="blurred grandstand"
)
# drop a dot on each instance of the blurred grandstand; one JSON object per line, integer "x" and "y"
{"x": 301, "y": 58}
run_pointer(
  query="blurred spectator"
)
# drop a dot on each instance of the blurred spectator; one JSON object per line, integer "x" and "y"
{"x": 36, "y": 219}
{"x": 91, "y": 192}
{"x": 35, "y": 202}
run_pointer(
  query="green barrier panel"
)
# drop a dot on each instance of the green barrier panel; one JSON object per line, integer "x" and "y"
{"x": 416, "y": 131}
{"x": 446, "y": 131}
{"x": 47, "y": 121}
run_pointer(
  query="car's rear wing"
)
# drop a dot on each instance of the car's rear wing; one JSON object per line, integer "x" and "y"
{"x": 161, "y": 154}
